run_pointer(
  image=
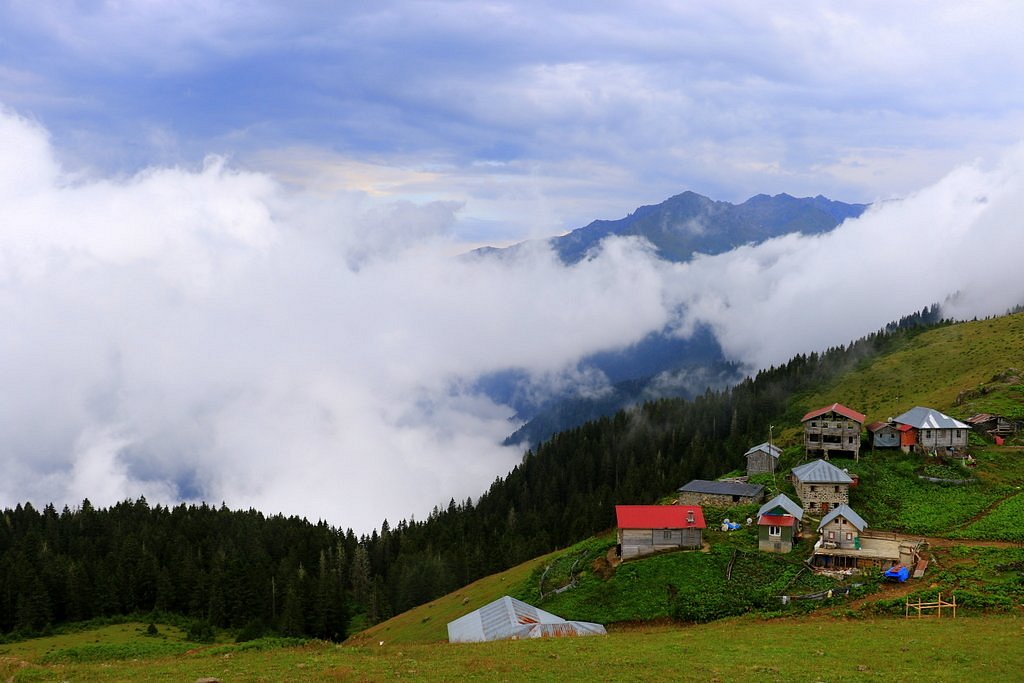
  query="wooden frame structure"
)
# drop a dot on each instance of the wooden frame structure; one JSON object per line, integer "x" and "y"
{"x": 935, "y": 605}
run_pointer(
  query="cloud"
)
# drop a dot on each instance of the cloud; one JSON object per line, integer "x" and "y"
{"x": 210, "y": 333}
{"x": 207, "y": 333}
{"x": 800, "y": 294}
{"x": 535, "y": 117}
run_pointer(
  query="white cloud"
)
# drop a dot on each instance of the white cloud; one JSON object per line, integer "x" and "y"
{"x": 206, "y": 333}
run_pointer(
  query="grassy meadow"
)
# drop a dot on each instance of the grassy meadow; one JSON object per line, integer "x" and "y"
{"x": 821, "y": 648}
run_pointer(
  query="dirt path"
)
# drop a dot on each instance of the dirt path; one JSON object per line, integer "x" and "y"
{"x": 985, "y": 512}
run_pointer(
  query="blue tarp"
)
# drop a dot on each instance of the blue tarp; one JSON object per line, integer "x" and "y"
{"x": 897, "y": 573}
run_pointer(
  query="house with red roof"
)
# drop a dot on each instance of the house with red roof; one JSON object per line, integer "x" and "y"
{"x": 834, "y": 429}
{"x": 778, "y": 524}
{"x": 645, "y": 529}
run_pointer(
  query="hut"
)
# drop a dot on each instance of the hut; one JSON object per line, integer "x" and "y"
{"x": 720, "y": 493}
{"x": 645, "y": 529}
{"x": 993, "y": 426}
{"x": 509, "y": 619}
{"x": 934, "y": 430}
{"x": 762, "y": 458}
{"x": 834, "y": 429}
{"x": 778, "y": 524}
{"x": 821, "y": 486}
{"x": 884, "y": 435}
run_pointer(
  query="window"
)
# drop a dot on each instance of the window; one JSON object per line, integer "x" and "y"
{"x": 837, "y": 489}
{"x": 927, "y": 433}
{"x": 959, "y": 433}
{"x": 849, "y": 536}
{"x": 813, "y": 489}
{"x": 774, "y": 530}
{"x": 666, "y": 535}
{"x": 831, "y": 535}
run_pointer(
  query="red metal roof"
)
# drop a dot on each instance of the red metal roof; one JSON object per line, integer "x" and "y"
{"x": 659, "y": 516}
{"x": 905, "y": 428}
{"x": 776, "y": 520}
{"x": 836, "y": 408}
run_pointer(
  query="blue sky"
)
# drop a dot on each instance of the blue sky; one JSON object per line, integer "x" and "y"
{"x": 227, "y": 229}
{"x": 537, "y": 117}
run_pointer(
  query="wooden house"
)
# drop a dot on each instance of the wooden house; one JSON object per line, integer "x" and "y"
{"x": 884, "y": 435}
{"x": 841, "y": 528}
{"x": 992, "y": 426}
{"x": 762, "y": 458}
{"x": 821, "y": 486}
{"x": 720, "y": 493}
{"x": 933, "y": 431}
{"x": 834, "y": 429}
{"x": 778, "y": 524}
{"x": 645, "y": 529}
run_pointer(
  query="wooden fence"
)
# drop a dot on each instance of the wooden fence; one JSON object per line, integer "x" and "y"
{"x": 935, "y": 607}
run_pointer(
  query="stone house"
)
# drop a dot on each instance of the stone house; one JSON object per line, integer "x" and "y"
{"x": 720, "y": 493}
{"x": 821, "y": 486}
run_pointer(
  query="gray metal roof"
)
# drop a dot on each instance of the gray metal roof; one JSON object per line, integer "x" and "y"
{"x": 929, "y": 418}
{"x": 721, "y": 488}
{"x": 821, "y": 472}
{"x": 782, "y": 501}
{"x": 847, "y": 513}
{"x": 770, "y": 449}
{"x": 508, "y": 618}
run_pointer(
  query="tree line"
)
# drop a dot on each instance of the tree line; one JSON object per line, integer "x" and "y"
{"x": 242, "y": 570}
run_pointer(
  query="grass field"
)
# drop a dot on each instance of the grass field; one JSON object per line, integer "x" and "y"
{"x": 821, "y": 648}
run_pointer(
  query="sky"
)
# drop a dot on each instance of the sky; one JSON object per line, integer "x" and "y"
{"x": 228, "y": 230}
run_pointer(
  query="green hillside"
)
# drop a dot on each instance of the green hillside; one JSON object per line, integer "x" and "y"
{"x": 692, "y": 586}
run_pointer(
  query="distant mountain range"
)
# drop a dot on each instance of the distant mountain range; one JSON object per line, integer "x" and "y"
{"x": 661, "y": 365}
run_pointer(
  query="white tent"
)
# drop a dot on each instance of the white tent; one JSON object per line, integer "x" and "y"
{"x": 509, "y": 619}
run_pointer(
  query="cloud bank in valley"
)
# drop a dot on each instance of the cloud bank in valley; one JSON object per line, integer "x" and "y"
{"x": 207, "y": 334}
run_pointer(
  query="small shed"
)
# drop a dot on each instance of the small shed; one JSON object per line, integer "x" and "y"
{"x": 778, "y": 524}
{"x": 509, "y": 619}
{"x": 720, "y": 493}
{"x": 884, "y": 435}
{"x": 992, "y": 425}
{"x": 762, "y": 458}
{"x": 645, "y": 529}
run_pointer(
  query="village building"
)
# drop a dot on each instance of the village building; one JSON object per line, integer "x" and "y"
{"x": 720, "y": 493}
{"x": 929, "y": 430}
{"x": 833, "y": 430}
{"x": 821, "y": 486}
{"x": 509, "y": 619}
{"x": 884, "y": 435}
{"x": 778, "y": 524}
{"x": 846, "y": 543}
{"x": 841, "y": 528}
{"x": 645, "y": 529}
{"x": 995, "y": 427}
{"x": 762, "y": 458}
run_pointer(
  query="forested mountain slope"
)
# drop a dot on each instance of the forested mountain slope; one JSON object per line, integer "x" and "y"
{"x": 241, "y": 568}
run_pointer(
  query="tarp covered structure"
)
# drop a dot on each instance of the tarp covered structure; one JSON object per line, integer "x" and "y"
{"x": 509, "y": 619}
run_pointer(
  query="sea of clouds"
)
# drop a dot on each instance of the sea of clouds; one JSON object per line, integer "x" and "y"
{"x": 208, "y": 333}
